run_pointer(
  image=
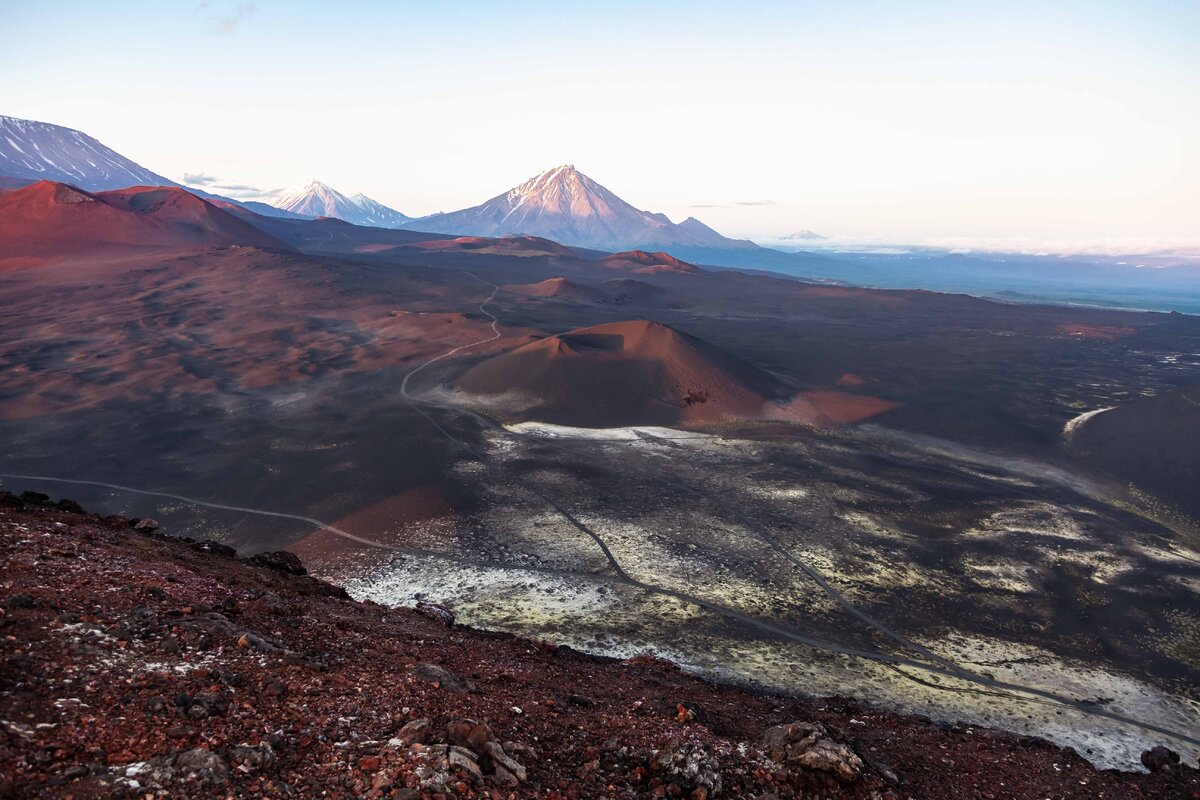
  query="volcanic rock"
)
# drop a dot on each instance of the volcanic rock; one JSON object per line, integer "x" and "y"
{"x": 441, "y": 677}
{"x": 1159, "y": 758}
{"x": 806, "y": 747}
{"x": 281, "y": 560}
{"x": 689, "y": 765}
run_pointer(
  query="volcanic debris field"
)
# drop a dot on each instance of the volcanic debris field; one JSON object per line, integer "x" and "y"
{"x": 135, "y": 664}
{"x": 916, "y": 530}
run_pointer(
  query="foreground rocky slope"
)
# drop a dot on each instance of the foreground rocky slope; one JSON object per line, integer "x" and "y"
{"x": 133, "y": 664}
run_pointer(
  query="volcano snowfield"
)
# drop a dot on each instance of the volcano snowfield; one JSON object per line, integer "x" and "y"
{"x": 915, "y": 530}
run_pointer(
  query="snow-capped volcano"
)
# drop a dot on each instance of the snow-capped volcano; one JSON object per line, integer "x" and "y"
{"x": 567, "y": 206}
{"x": 805, "y": 236}
{"x": 321, "y": 200}
{"x": 37, "y": 151}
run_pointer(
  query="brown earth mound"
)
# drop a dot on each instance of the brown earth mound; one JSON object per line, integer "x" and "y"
{"x": 623, "y": 373}
{"x": 50, "y": 221}
{"x": 643, "y": 263}
{"x": 560, "y": 289}
{"x": 502, "y": 245}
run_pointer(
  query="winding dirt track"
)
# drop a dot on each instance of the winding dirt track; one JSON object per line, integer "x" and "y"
{"x": 934, "y": 665}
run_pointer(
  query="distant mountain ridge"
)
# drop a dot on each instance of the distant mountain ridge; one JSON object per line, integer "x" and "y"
{"x": 567, "y": 206}
{"x": 804, "y": 236}
{"x": 32, "y": 151}
{"x": 317, "y": 199}
{"x": 561, "y": 204}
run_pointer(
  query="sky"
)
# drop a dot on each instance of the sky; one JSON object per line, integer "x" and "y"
{"x": 918, "y": 121}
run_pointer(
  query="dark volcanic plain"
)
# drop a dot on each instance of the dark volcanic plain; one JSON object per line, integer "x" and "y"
{"x": 926, "y": 512}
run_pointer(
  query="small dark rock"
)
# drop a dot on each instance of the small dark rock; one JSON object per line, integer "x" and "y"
{"x": 439, "y": 613}
{"x": 20, "y": 600}
{"x": 216, "y": 548}
{"x": 280, "y": 560}
{"x": 1159, "y": 758}
{"x": 442, "y": 677}
{"x": 35, "y": 498}
{"x": 10, "y": 500}
{"x": 77, "y": 771}
{"x": 583, "y": 701}
{"x": 70, "y": 506}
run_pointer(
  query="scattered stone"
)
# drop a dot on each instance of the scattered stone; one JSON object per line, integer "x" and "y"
{"x": 256, "y": 642}
{"x": 463, "y": 759}
{"x": 688, "y": 765}
{"x": 19, "y": 600}
{"x": 521, "y": 751}
{"x": 414, "y": 731}
{"x": 500, "y": 759}
{"x": 441, "y": 677}
{"x": 252, "y": 759}
{"x": 202, "y": 763}
{"x": 146, "y": 525}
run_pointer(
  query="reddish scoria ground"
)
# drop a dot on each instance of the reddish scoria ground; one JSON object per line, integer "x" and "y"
{"x": 137, "y": 665}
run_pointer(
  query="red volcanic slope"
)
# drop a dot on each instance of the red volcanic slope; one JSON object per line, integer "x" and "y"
{"x": 642, "y": 262}
{"x": 623, "y": 373}
{"x": 52, "y": 221}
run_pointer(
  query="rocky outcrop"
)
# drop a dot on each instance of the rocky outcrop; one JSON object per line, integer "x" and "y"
{"x": 810, "y": 756}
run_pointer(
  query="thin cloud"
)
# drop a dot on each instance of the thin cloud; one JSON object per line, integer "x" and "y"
{"x": 198, "y": 179}
{"x": 226, "y": 17}
{"x": 735, "y": 203}
{"x": 240, "y": 191}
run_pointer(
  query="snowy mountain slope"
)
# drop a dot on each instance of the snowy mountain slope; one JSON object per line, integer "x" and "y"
{"x": 380, "y": 215}
{"x": 567, "y": 206}
{"x": 42, "y": 151}
{"x": 317, "y": 199}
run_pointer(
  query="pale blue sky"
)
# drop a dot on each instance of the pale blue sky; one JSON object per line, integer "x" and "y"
{"x": 902, "y": 120}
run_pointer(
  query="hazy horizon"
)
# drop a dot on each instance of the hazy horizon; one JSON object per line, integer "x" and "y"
{"x": 1078, "y": 125}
